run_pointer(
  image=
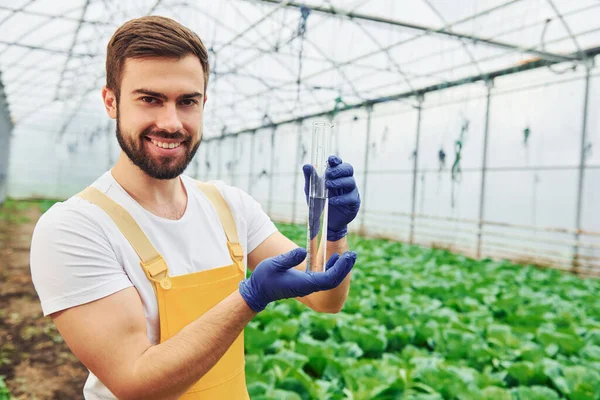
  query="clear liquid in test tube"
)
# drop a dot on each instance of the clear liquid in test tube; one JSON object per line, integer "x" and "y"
{"x": 317, "y": 198}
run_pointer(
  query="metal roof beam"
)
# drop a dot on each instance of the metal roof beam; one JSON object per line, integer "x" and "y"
{"x": 51, "y": 16}
{"x": 16, "y": 11}
{"x": 54, "y": 51}
{"x": 73, "y": 44}
{"x": 535, "y": 64}
{"x": 441, "y": 31}
{"x": 253, "y": 25}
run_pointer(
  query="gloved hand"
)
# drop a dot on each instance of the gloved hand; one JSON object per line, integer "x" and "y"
{"x": 344, "y": 199}
{"x": 276, "y": 278}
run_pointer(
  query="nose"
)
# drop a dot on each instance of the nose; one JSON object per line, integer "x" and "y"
{"x": 168, "y": 119}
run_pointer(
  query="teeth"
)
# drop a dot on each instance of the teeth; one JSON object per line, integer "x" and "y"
{"x": 165, "y": 145}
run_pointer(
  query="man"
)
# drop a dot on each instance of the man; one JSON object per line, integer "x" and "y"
{"x": 143, "y": 272}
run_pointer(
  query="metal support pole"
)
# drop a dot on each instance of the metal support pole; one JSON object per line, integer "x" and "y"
{"x": 363, "y": 190}
{"x": 415, "y": 170}
{"x": 490, "y": 85}
{"x": 271, "y": 173}
{"x": 580, "y": 183}
{"x": 6, "y": 128}
{"x": 297, "y": 170}
{"x": 250, "y": 167}
{"x": 234, "y": 161}
{"x": 219, "y": 161}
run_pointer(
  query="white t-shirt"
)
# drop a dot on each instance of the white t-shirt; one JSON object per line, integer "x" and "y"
{"x": 78, "y": 254}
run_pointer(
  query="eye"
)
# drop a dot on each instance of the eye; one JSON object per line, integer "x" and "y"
{"x": 189, "y": 102}
{"x": 149, "y": 100}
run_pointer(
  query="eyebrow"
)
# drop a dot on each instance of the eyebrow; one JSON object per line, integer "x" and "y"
{"x": 164, "y": 97}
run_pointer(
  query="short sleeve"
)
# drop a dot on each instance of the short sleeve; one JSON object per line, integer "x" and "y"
{"x": 72, "y": 261}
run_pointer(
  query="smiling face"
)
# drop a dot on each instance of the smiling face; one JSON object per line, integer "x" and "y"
{"x": 159, "y": 113}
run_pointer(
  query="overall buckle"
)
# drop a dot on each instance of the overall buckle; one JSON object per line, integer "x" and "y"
{"x": 156, "y": 270}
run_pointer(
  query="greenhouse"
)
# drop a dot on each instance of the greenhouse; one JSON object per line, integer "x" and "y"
{"x": 473, "y": 139}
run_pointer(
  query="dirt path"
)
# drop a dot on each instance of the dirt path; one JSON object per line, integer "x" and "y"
{"x": 34, "y": 360}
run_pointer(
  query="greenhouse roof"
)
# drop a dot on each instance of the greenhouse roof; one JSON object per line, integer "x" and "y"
{"x": 275, "y": 61}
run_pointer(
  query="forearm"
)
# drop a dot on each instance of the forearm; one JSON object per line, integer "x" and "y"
{"x": 331, "y": 300}
{"x": 167, "y": 370}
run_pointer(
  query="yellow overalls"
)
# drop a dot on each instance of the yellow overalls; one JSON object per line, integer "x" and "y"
{"x": 182, "y": 299}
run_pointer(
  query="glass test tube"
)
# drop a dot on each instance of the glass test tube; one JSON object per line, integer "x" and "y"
{"x": 317, "y": 198}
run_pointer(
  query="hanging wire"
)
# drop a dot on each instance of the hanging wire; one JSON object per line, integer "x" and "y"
{"x": 277, "y": 44}
{"x": 441, "y": 159}
{"x": 552, "y": 68}
{"x": 456, "y": 166}
{"x": 422, "y": 203}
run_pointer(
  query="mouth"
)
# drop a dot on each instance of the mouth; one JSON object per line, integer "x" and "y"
{"x": 165, "y": 146}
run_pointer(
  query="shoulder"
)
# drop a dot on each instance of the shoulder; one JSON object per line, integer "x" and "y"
{"x": 234, "y": 196}
{"x": 72, "y": 259}
{"x": 74, "y": 215}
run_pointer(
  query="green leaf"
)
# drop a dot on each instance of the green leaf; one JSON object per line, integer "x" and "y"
{"x": 273, "y": 312}
{"x": 320, "y": 326}
{"x": 583, "y": 383}
{"x": 372, "y": 340}
{"x": 258, "y": 388}
{"x": 488, "y": 377}
{"x": 449, "y": 382}
{"x": 590, "y": 352}
{"x": 458, "y": 344}
{"x": 268, "y": 378}
{"x": 554, "y": 370}
{"x": 369, "y": 378}
{"x": 534, "y": 393}
{"x": 522, "y": 372}
{"x": 278, "y": 394}
{"x": 286, "y": 360}
{"x": 567, "y": 343}
{"x": 495, "y": 393}
{"x": 399, "y": 337}
{"x": 593, "y": 337}
{"x": 531, "y": 351}
{"x": 319, "y": 354}
{"x": 349, "y": 350}
{"x": 256, "y": 340}
{"x": 289, "y": 329}
{"x": 501, "y": 335}
{"x": 424, "y": 396}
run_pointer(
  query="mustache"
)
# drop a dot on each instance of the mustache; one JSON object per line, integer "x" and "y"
{"x": 164, "y": 134}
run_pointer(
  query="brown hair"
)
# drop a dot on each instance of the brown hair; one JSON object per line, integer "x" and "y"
{"x": 151, "y": 36}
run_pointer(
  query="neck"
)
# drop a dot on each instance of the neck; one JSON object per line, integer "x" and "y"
{"x": 165, "y": 198}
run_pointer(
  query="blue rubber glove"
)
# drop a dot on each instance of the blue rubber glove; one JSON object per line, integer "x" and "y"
{"x": 276, "y": 278}
{"x": 344, "y": 199}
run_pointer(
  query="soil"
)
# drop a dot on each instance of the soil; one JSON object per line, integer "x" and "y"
{"x": 34, "y": 360}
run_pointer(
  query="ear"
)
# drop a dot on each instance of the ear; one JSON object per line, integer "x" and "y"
{"x": 110, "y": 102}
{"x": 204, "y": 101}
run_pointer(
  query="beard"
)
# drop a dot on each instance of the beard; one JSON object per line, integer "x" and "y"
{"x": 157, "y": 167}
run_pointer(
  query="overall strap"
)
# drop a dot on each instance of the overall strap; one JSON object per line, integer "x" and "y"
{"x": 219, "y": 203}
{"x": 152, "y": 262}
